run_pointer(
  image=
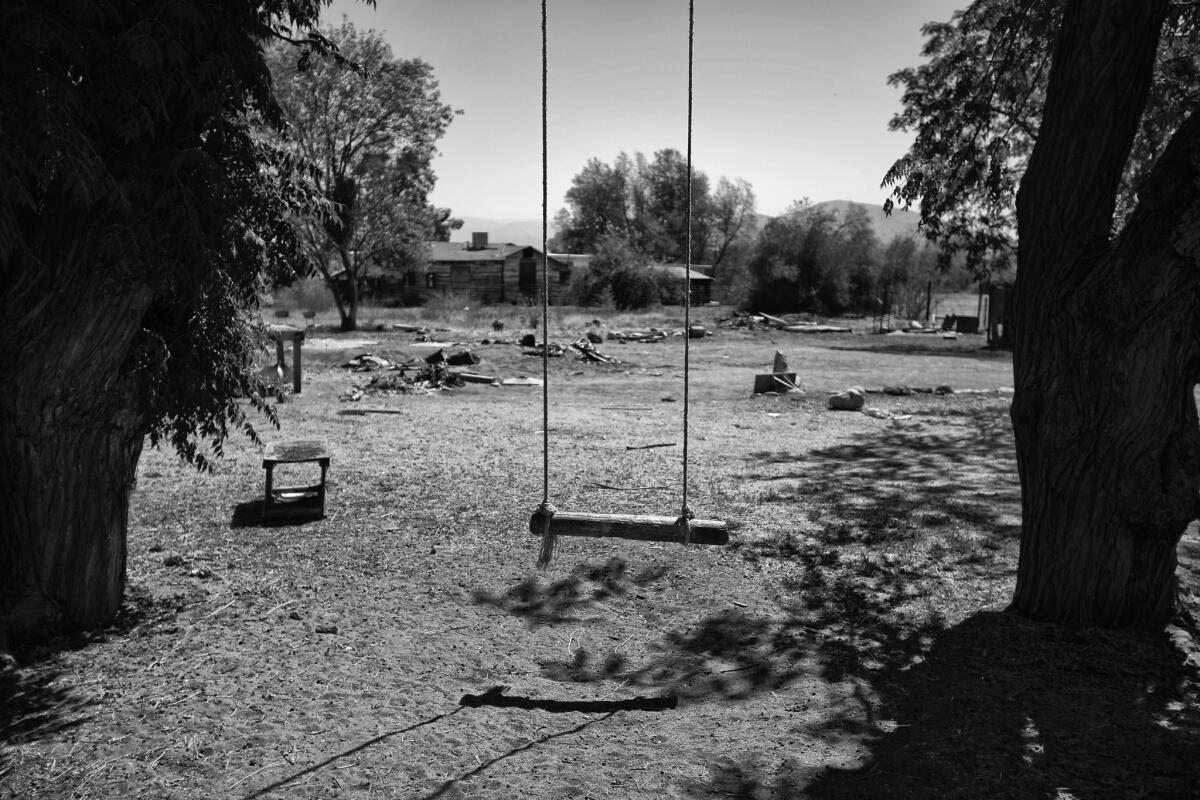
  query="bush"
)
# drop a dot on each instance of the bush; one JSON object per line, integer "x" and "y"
{"x": 635, "y": 288}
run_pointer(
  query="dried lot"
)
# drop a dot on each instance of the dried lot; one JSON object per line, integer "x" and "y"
{"x": 850, "y": 642}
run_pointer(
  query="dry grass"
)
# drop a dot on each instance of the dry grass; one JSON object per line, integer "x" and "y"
{"x": 850, "y": 642}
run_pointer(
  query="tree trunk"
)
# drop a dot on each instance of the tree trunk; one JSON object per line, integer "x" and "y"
{"x": 70, "y": 438}
{"x": 350, "y": 312}
{"x": 1106, "y": 338}
{"x": 348, "y": 307}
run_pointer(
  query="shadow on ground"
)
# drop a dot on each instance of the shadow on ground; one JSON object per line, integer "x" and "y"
{"x": 901, "y": 482}
{"x": 250, "y": 515}
{"x": 34, "y": 705}
{"x": 1004, "y": 708}
{"x": 990, "y": 706}
{"x": 926, "y": 345}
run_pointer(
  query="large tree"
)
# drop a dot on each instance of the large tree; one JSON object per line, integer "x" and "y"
{"x": 371, "y": 134}
{"x": 975, "y": 107}
{"x": 814, "y": 258}
{"x": 645, "y": 202}
{"x": 1088, "y": 106}
{"x": 1107, "y": 333}
{"x": 139, "y": 211}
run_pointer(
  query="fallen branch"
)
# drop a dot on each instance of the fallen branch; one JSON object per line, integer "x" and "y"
{"x": 648, "y": 446}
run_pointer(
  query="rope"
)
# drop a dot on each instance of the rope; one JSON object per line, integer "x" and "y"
{"x": 545, "y": 510}
{"x": 685, "y": 513}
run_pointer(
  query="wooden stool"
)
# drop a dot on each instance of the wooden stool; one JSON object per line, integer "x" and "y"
{"x": 295, "y": 501}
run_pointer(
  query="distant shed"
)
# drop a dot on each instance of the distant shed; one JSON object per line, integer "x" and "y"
{"x": 494, "y": 273}
{"x": 699, "y": 276}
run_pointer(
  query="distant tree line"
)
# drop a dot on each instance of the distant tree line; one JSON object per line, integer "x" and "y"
{"x": 813, "y": 258}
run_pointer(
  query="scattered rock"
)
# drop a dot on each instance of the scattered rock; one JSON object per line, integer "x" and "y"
{"x": 294, "y": 615}
{"x": 173, "y": 560}
{"x": 853, "y": 399}
{"x": 326, "y": 628}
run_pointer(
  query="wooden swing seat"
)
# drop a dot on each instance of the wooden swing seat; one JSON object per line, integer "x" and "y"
{"x": 642, "y": 527}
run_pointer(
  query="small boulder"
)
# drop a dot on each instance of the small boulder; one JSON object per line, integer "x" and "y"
{"x": 853, "y": 399}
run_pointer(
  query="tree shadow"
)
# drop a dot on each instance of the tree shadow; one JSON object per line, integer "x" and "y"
{"x": 899, "y": 482}
{"x": 34, "y": 700}
{"x": 925, "y": 345}
{"x": 34, "y": 704}
{"x": 562, "y": 600}
{"x": 1001, "y": 707}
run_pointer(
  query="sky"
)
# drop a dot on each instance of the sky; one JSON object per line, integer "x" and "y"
{"x": 790, "y": 95}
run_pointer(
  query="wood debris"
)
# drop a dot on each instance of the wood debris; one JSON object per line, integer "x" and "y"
{"x": 589, "y": 352}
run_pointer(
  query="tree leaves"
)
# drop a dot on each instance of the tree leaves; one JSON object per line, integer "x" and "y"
{"x": 976, "y": 106}
{"x": 646, "y": 203}
{"x": 370, "y": 135}
{"x": 133, "y": 164}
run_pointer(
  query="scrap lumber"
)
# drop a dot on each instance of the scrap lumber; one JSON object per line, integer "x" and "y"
{"x": 472, "y": 377}
{"x": 775, "y": 382}
{"x": 588, "y": 352}
{"x": 776, "y": 321}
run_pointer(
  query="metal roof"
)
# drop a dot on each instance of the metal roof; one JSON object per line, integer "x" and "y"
{"x": 680, "y": 271}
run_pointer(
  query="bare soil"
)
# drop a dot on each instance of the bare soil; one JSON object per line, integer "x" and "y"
{"x": 850, "y": 642}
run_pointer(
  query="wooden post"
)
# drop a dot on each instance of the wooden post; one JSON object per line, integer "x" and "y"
{"x": 281, "y": 333}
{"x": 297, "y": 339}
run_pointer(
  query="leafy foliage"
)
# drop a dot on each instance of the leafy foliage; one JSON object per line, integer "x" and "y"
{"x": 812, "y": 259}
{"x": 370, "y": 134}
{"x": 976, "y": 107}
{"x": 135, "y": 168}
{"x": 645, "y": 202}
{"x": 620, "y": 274}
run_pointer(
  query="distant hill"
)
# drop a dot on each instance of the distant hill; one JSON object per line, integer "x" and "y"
{"x": 515, "y": 230}
{"x": 528, "y": 231}
{"x": 900, "y": 223}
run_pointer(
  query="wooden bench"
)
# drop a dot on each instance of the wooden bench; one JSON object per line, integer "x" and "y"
{"x": 295, "y": 501}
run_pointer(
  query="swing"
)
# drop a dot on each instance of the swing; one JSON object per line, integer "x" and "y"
{"x": 548, "y": 521}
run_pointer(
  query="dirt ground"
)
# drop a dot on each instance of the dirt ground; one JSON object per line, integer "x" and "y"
{"x": 850, "y": 642}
